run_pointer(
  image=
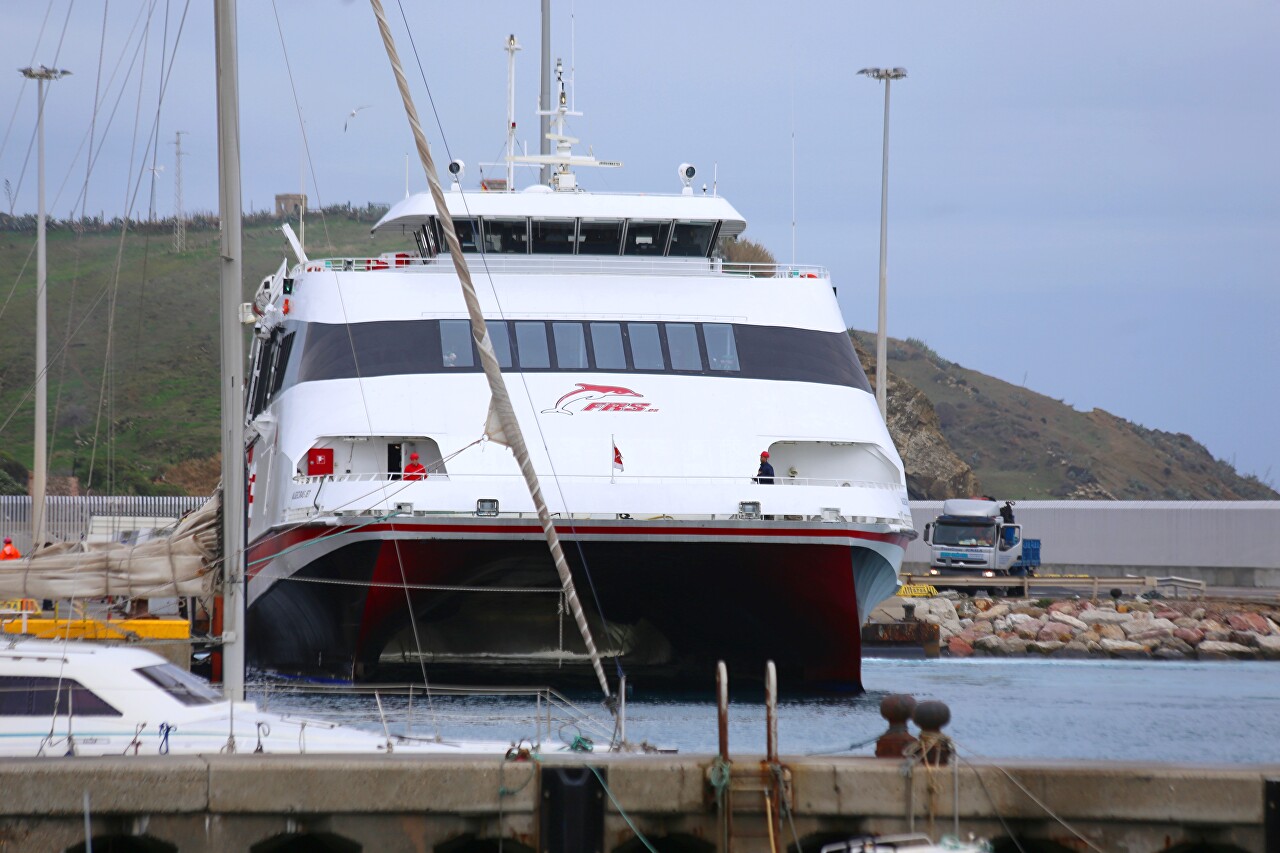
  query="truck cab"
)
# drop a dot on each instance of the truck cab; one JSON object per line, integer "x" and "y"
{"x": 978, "y": 538}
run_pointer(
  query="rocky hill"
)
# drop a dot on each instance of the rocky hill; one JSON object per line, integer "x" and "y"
{"x": 961, "y": 433}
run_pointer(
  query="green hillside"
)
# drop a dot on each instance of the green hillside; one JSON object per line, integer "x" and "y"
{"x": 1024, "y": 445}
{"x": 152, "y": 400}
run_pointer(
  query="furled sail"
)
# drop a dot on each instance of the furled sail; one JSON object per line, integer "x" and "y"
{"x": 176, "y": 564}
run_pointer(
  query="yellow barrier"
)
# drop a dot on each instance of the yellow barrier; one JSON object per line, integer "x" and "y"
{"x": 917, "y": 590}
{"x": 96, "y": 629}
{"x": 20, "y": 605}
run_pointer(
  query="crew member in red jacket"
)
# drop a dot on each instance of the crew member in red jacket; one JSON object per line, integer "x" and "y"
{"x": 9, "y": 551}
{"x": 415, "y": 470}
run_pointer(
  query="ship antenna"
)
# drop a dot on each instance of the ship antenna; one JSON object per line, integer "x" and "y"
{"x": 512, "y": 47}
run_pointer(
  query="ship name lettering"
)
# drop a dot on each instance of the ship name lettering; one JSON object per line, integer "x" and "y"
{"x": 301, "y": 493}
{"x": 616, "y": 407}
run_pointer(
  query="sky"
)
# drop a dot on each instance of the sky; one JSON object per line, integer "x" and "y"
{"x": 1083, "y": 197}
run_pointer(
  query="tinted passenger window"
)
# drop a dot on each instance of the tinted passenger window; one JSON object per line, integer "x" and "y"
{"x": 506, "y": 236}
{"x": 501, "y": 341}
{"x": 606, "y": 344}
{"x": 722, "y": 352}
{"x": 600, "y": 237}
{"x": 30, "y": 695}
{"x": 691, "y": 239}
{"x": 531, "y": 346}
{"x": 554, "y": 236}
{"x": 181, "y": 685}
{"x": 466, "y": 229}
{"x": 455, "y": 343}
{"x": 646, "y": 346}
{"x": 682, "y": 340}
{"x": 571, "y": 345}
{"x": 647, "y": 238}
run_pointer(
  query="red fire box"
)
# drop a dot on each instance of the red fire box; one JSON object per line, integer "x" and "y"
{"x": 319, "y": 461}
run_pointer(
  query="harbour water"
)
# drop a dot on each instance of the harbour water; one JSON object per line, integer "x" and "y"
{"x": 1207, "y": 712}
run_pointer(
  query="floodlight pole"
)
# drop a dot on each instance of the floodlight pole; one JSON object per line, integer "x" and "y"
{"x": 888, "y": 75}
{"x": 40, "y": 462}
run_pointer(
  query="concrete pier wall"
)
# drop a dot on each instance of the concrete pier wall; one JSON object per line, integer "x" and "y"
{"x": 394, "y": 803}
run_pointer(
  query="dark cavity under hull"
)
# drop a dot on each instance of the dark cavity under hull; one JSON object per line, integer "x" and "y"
{"x": 673, "y": 610}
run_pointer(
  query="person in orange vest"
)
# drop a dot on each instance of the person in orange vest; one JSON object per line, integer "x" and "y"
{"x": 415, "y": 470}
{"x": 9, "y": 551}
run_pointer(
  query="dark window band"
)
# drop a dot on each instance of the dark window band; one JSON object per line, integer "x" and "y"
{"x": 402, "y": 347}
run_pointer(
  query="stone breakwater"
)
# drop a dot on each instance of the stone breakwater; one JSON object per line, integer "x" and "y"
{"x": 1162, "y": 629}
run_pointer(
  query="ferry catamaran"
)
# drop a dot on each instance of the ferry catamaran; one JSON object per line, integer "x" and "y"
{"x": 647, "y": 372}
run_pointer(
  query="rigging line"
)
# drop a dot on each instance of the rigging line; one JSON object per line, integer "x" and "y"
{"x": 302, "y": 125}
{"x": 484, "y": 262}
{"x": 93, "y": 118}
{"x": 17, "y": 102}
{"x": 106, "y": 390}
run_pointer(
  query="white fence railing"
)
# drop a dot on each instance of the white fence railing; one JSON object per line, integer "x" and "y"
{"x": 69, "y": 517}
{"x": 574, "y": 265}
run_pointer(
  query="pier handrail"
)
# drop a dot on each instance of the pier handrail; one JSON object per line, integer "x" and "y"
{"x": 1094, "y": 585}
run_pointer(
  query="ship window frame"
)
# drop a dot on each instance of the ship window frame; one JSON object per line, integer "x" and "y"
{"x": 713, "y": 224}
{"x": 486, "y": 221}
{"x": 665, "y": 227}
{"x": 593, "y": 221}
{"x": 657, "y": 339}
{"x": 571, "y": 247}
{"x": 546, "y": 343}
{"x": 697, "y": 337}
{"x": 556, "y": 325}
{"x": 180, "y": 685}
{"x": 456, "y": 347}
{"x": 508, "y": 350}
{"x": 471, "y": 222}
{"x": 733, "y": 347}
{"x": 46, "y": 696}
{"x": 621, "y": 341}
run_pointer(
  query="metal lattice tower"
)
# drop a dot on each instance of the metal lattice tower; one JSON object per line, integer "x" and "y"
{"x": 179, "y": 217}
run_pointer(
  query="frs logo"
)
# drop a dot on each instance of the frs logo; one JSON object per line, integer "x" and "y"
{"x": 589, "y": 398}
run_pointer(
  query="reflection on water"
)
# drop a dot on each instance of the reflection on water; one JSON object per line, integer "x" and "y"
{"x": 1024, "y": 708}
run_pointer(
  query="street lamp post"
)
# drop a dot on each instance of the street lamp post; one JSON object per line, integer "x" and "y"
{"x": 888, "y": 75}
{"x": 40, "y": 463}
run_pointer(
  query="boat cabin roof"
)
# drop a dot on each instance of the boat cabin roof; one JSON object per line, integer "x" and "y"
{"x": 542, "y": 203}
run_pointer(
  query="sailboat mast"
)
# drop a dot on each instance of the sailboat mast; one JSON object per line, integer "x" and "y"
{"x": 544, "y": 96}
{"x": 232, "y": 359}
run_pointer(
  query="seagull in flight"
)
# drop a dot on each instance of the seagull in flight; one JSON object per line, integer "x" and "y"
{"x": 352, "y": 115}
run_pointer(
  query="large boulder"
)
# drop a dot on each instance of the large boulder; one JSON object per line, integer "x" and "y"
{"x": 1124, "y": 649}
{"x": 990, "y": 644}
{"x": 1141, "y": 626}
{"x": 958, "y": 648}
{"x": 1219, "y": 650}
{"x": 1186, "y": 622}
{"x": 1075, "y": 649}
{"x": 1018, "y": 618}
{"x": 1269, "y": 647}
{"x": 1028, "y": 630}
{"x": 1180, "y": 646}
{"x": 1191, "y": 636}
{"x": 1067, "y": 619}
{"x": 1067, "y": 607}
{"x": 1045, "y": 647}
{"x": 1253, "y": 622}
{"x": 1056, "y": 631}
{"x": 1107, "y": 632}
{"x": 1101, "y": 616}
{"x": 1166, "y": 653}
{"x": 1166, "y": 613}
{"x": 993, "y": 612}
{"x": 1029, "y": 610}
{"x": 1151, "y": 634}
{"x": 1014, "y": 646}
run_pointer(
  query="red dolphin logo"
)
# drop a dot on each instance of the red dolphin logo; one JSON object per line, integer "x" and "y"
{"x": 584, "y": 393}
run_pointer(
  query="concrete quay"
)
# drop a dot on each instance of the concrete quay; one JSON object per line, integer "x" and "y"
{"x": 264, "y": 803}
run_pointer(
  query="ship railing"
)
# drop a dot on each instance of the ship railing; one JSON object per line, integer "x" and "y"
{"x": 575, "y": 265}
{"x": 617, "y": 479}
{"x": 544, "y": 716}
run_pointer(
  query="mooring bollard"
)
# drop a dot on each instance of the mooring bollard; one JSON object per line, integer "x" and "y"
{"x": 897, "y": 709}
{"x": 771, "y": 712}
{"x": 935, "y": 747}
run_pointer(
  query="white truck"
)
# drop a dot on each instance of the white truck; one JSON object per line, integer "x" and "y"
{"x": 978, "y": 538}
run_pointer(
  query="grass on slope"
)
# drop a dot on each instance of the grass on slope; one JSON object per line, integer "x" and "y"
{"x": 152, "y": 401}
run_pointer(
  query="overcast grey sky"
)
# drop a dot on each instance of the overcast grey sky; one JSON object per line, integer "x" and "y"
{"x": 1084, "y": 196}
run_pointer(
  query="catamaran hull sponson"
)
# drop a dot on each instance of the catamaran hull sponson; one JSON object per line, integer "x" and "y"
{"x": 678, "y": 595}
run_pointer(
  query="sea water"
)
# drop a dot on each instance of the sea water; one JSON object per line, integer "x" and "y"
{"x": 1032, "y": 708}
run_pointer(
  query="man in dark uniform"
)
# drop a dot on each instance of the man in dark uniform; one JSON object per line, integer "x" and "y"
{"x": 765, "y": 475}
{"x": 1006, "y": 512}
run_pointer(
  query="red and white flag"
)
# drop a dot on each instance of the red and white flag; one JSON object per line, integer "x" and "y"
{"x": 617, "y": 458}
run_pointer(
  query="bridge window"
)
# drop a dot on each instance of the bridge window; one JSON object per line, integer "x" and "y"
{"x": 467, "y": 230}
{"x": 722, "y": 352}
{"x": 691, "y": 239}
{"x": 646, "y": 346}
{"x": 554, "y": 236}
{"x": 455, "y": 343}
{"x": 506, "y": 236}
{"x": 682, "y": 341}
{"x": 600, "y": 237}
{"x": 606, "y": 344}
{"x": 571, "y": 346}
{"x": 647, "y": 238}
{"x": 531, "y": 346}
